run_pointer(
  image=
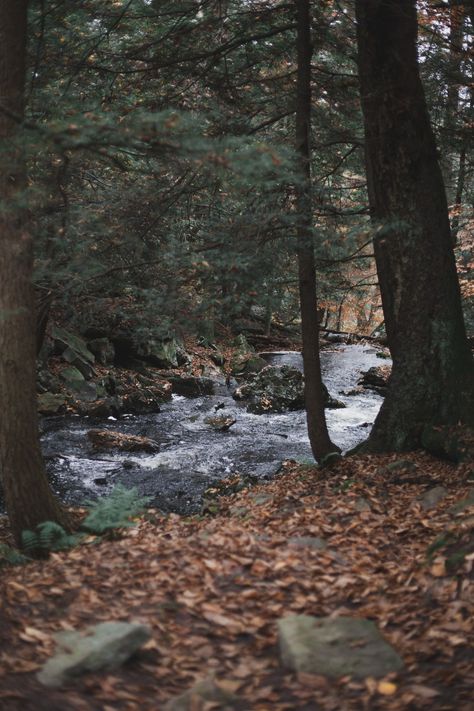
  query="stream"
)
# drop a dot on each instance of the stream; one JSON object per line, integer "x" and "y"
{"x": 192, "y": 455}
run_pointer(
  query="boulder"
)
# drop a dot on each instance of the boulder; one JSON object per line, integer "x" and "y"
{"x": 103, "y": 350}
{"x": 191, "y": 385}
{"x": 108, "y": 439}
{"x": 273, "y": 389}
{"x": 162, "y": 354}
{"x": 102, "y": 408}
{"x": 222, "y": 423}
{"x": 105, "y": 646}
{"x": 376, "y": 378}
{"x": 74, "y": 350}
{"x": 335, "y": 647}
{"x": 244, "y": 360}
{"x": 276, "y": 389}
{"x": 431, "y": 498}
{"x": 50, "y": 404}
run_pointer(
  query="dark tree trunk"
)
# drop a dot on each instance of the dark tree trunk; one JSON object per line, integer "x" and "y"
{"x": 321, "y": 444}
{"x": 28, "y": 498}
{"x": 433, "y": 372}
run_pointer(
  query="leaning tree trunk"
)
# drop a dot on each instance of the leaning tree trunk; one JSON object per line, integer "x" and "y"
{"x": 28, "y": 498}
{"x": 321, "y": 444}
{"x": 432, "y": 377}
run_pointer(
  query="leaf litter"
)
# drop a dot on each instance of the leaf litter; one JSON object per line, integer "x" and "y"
{"x": 213, "y": 587}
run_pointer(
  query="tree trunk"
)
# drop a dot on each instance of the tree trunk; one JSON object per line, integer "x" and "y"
{"x": 28, "y": 498}
{"x": 321, "y": 444}
{"x": 433, "y": 373}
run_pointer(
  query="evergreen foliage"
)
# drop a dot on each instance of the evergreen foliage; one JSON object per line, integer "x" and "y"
{"x": 115, "y": 511}
{"x": 47, "y": 537}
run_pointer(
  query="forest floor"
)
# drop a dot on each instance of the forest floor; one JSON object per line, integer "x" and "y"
{"x": 213, "y": 587}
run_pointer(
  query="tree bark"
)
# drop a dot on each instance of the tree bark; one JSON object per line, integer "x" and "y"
{"x": 320, "y": 441}
{"x": 28, "y": 498}
{"x": 433, "y": 373}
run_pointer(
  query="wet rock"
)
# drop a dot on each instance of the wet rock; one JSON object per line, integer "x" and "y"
{"x": 335, "y": 647}
{"x": 102, "y": 408}
{"x": 191, "y": 385}
{"x": 103, "y": 350}
{"x": 204, "y": 694}
{"x": 222, "y": 423}
{"x": 50, "y": 404}
{"x": 274, "y": 389}
{"x": 140, "y": 402}
{"x": 104, "y": 646}
{"x": 376, "y": 378}
{"x": 431, "y": 498}
{"x": 108, "y": 439}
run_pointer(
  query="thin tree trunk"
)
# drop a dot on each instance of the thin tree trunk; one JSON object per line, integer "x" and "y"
{"x": 433, "y": 373}
{"x": 321, "y": 444}
{"x": 28, "y": 498}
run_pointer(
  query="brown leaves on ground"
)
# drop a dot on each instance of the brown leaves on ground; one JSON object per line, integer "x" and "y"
{"x": 213, "y": 588}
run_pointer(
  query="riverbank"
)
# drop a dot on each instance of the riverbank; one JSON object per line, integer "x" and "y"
{"x": 212, "y": 588}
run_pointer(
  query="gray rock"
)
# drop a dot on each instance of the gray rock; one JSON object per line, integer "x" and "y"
{"x": 276, "y": 389}
{"x": 431, "y": 498}
{"x": 314, "y": 542}
{"x": 202, "y": 693}
{"x": 162, "y": 354}
{"x": 51, "y": 404}
{"x": 103, "y": 646}
{"x": 273, "y": 389}
{"x": 191, "y": 386}
{"x": 66, "y": 341}
{"x": 103, "y": 350}
{"x": 335, "y": 647}
{"x": 400, "y": 466}
{"x": 463, "y": 504}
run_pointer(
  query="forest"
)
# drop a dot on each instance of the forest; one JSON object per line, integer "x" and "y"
{"x": 236, "y": 354}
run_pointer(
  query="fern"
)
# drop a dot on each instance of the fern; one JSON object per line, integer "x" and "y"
{"x": 48, "y": 536}
{"x": 10, "y": 556}
{"x": 115, "y": 511}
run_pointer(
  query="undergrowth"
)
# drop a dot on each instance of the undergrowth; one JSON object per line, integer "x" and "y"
{"x": 116, "y": 511}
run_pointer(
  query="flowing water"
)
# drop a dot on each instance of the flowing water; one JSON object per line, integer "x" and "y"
{"x": 192, "y": 455}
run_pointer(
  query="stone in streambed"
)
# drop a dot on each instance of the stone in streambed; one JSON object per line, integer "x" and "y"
{"x": 108, "y": 439}
{"x": 104, "y": 646}
{"x": 221, "y": 424}
{"x": 335, "y": 647}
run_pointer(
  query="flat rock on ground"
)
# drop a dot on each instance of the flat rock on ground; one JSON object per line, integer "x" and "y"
{"x": 335, "y": 647}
